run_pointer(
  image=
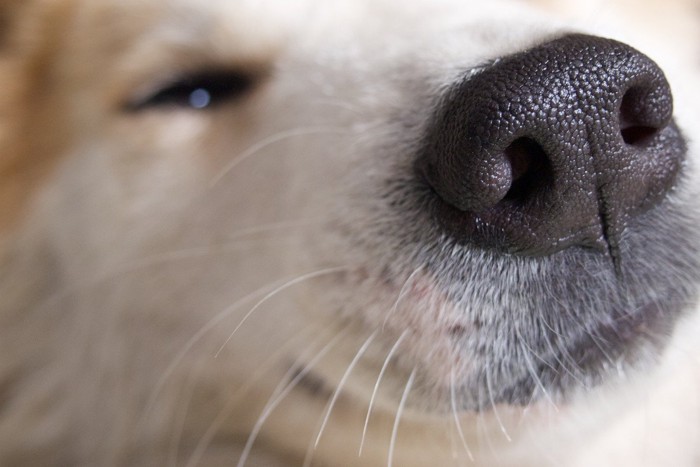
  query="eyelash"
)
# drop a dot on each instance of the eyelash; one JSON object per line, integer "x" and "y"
{"x": 198, "y": 91}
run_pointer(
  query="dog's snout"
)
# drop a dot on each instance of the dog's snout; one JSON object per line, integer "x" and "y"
{"x": 556, "y": 146}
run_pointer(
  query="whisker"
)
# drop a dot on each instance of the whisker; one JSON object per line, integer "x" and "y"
{"x": 599, "y": 341}
{"x": 456, "y": 417}
{"x": 535, "y": 354}
{"x": 231, "y": 241}
{"x": 181, "y": 418}
{"x": 402, "y": 292}
{"x": 338, "y": 103}
{"x": 341, "y": 383}
{"x": 213, "y": 322}
{"x": 399, "y": 413}
{"x": 495, "y": 410}
{"x": 566, "y": 356}
{"x": 450, "y": 432}
{"x": 270, "y": 140}
{"x": 531, "y": 370}
{"x": 235, "y": 240}
{"x": 574, "y": 319}
{"x": 273, "y": 226}
{"x": 484, "y": 431}
{"x": 376, "y": 387}
{"x": 275, "y": 401}
{"x": 526, "y": 410}
{"x": 313, "y": 444}
{"x": 281, "y": 288}
{"x": 250, "y": 383}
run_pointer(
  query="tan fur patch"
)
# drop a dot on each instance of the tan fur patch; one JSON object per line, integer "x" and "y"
{"x": 33, "y": 31}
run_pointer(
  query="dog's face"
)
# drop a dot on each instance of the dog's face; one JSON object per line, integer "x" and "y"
{"x": 466, "y": 211}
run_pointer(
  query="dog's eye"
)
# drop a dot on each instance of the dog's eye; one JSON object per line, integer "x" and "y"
{"x": 197, "y": 91}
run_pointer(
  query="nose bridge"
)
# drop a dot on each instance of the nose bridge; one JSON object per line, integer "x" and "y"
{"x": 554, "y": 146}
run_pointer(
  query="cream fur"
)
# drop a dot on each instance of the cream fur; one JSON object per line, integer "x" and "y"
{"x": 135, "y": 243}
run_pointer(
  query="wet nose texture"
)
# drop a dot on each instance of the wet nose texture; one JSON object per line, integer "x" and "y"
{"x": 557, "y": 146}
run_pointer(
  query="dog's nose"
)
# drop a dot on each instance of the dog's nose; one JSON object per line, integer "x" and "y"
{"x": 556, "y": 146}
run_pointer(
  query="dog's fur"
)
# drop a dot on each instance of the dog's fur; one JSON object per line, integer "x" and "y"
{"x": 207, "y": 287}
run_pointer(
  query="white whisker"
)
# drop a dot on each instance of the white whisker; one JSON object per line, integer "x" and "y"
{"x": 456, "y": 417}
{"x": 531, "y": 369}
{"x": 338, "y": 103}
{"x": 402, "y": 293}
{"x": 484, "y": 431}
{"x": 291, "y": 283}
{"x": 281, "y": 394}
{"x": 341, "y": 383}
{"x": 270, "y": 140}
{"x": 235, "y": 240}
{"x": 495, "y": 410}
{"x": 449, "y": 430}
{"x": 213, "y": 322}
{"x": 251, "y": 383}
{"x": 397, "y": 420}
{"x": 376, "y": 388}
{"x": 187, "y": 393}
{"x": 566, "y": 356}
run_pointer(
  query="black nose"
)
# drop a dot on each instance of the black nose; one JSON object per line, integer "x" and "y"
{"x": 556, "y": 146}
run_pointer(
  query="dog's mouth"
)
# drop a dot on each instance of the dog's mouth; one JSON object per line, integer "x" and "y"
{"x": 561, "y": 325}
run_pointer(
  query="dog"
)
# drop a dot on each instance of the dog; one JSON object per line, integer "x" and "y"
{"x": 349, "y": 233}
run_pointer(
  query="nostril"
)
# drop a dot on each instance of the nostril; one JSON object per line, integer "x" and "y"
{"x": 530, "y": 168}
{"x": 632, "y": 115}
{"x": 637, "y": 135}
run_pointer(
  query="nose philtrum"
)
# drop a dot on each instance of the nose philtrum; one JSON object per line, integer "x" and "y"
{"x": 556, "y": 146}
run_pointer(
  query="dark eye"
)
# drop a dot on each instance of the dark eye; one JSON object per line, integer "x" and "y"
{"x": 198, "y": 91}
